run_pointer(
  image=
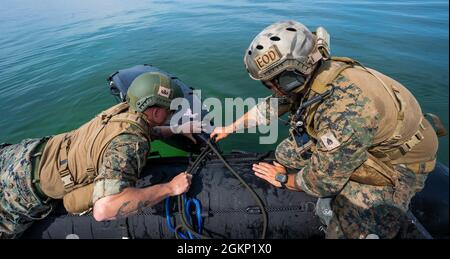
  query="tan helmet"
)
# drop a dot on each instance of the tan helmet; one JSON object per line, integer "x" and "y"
{"x": 286, "y": 45}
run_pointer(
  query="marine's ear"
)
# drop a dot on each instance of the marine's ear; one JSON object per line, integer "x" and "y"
{"x": 157, "y": 115}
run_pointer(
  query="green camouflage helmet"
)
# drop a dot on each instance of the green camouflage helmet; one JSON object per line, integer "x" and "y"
{"x": 152, "y": 89}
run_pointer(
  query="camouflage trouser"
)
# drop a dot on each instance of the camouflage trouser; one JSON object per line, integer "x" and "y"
{"x": 19, "y": 205}
{"x": 360, "y": 210}
{"x": 290, "y": 155}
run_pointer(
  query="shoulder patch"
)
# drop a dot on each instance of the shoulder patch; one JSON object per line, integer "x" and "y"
{"x": 329, "y": 141}
{"x": 164, "y": 91}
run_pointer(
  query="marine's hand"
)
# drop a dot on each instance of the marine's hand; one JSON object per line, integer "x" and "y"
{"x": 268, "y": 172}
{"x": 220, "y": 133}
{"x": 180, "y": 183}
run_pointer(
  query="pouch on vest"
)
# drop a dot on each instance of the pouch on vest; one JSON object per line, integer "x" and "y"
{"x": 374, "y": 172}
{"x": 79, "y": 200}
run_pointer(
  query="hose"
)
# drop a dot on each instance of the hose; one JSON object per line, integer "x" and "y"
{"x": 181, "y": 205}
{"x": 252, "y": 192}
{"x": 181, "y": 202}
{"x": 184, "y": 222}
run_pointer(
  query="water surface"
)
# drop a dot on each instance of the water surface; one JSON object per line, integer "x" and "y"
{"x": 55, "y": 55}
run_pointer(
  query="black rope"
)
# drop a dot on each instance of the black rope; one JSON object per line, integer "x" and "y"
{"x": 210, "y": 147}
{"x": 252, "y": 192}
{"x": 184, "y": 224}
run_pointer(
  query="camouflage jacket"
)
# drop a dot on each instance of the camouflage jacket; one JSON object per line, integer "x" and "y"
{"x": 123, "y": 160}
{"x": 347, "y": 123}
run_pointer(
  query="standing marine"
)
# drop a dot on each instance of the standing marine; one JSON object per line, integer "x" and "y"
{"x": 94, "y": 167}
{"x": 370, "y": 147}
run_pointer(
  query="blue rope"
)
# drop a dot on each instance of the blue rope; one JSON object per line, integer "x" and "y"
{"x": 186, "y": 212}
{"x": 169, "y": 222}
{"x": 198, "y": 211}
{"x": 188, "y": 203}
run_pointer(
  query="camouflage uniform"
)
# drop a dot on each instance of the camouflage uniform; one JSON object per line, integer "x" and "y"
{"x": 20, "y": 206}
{"x": 123, "y": 161}
{"x": 289, "y": 154}
{"x": 358, "y": 209}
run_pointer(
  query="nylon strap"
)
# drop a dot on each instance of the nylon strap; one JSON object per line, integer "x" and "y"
{"x": 321, "y": 88}
{"x": 64, "y": 172}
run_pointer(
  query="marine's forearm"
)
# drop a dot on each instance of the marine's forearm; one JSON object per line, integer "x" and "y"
{"x": 129, "y": 201}
{"x": 161, "y": 132}
{"x": 248, "y": 120}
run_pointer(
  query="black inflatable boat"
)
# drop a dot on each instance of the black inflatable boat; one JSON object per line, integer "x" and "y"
{"x": 219, "y": 205}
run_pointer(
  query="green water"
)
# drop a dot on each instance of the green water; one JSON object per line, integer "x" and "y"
{"x": 55, "y": 55}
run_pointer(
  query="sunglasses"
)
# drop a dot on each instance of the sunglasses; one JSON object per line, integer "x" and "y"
{"x": 286, "y": 81}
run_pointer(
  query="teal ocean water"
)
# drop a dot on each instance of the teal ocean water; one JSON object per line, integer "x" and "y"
{"x": 55, "y": 55}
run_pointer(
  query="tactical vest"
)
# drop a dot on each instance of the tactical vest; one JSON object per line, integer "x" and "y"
{"x": 70, "y": 161}
{"x": 404, "y": 137}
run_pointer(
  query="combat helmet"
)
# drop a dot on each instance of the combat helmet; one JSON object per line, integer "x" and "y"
{"x": 152, "y": 89}
{"x": 283, "y": 46}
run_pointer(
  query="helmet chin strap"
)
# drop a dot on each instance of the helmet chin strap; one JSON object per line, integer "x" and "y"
{"x": 301, "y": 89}
{"x": 279, "y": 91}
{"x": 307, "y": 85}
